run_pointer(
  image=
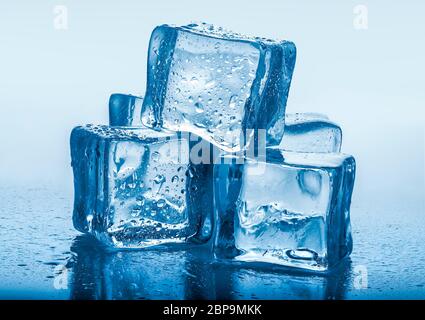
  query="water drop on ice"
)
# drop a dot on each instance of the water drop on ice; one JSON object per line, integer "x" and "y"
{"x": 161, "y": 203}
{"x": 232, "y": 102}
{"x": 199, "y": 108}
{"x": 159, "y": 179}
{"x": 155, "y": 156}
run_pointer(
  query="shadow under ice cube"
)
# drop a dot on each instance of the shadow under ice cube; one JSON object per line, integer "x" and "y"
{"x": 136, "y": 188}
{"x": 217, "y": 84}
{"x": 291, "y": 211}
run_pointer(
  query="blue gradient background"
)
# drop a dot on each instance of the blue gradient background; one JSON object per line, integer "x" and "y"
{"x": 370, "y": 81}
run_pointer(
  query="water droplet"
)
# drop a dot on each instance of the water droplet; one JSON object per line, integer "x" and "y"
{"x": 131, "y": 185}
{"x": 155, "y": 156}
{"x": 199, "y": 107}
{"x": 175, "y": 179}
{"x": 302, "y": 254}
{"x": 232, "y": 102}
{"x": 194, "y": 80}
{"x": 189, "y": 173}
{"x": 159, "y": 179}
{"x": 161, "y": 203}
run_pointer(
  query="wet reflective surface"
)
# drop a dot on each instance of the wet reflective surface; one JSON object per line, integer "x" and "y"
{"x": 185, "y": 275}
{"x": 43, "y": 257}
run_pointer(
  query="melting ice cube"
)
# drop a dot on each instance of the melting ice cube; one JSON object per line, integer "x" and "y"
{"x": 217, "y": 84}
{"x": 291, "y": 211}
{"x": 138, "y": 188}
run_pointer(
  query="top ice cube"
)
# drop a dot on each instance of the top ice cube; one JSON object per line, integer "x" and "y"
{"x": 217, "y": 84}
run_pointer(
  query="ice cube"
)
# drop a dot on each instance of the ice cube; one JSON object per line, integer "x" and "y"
{"x": 311, "y": 132}
{"x": 291, "y": 211}
{"x": 125, "y": 110}
{"x": 217, "y": 84}
{"x": 136, "y": 188}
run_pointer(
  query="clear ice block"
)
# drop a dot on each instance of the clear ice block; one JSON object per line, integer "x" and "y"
{"x": 125, "y": 110}
{"x": 292, "y": 211}
{"x": 136, "y": 188}
{"x": 217, "y": 84}
{"x": 310, "y": 132}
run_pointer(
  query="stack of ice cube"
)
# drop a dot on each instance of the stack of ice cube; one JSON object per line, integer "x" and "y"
{"x": 208, "y": 157}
